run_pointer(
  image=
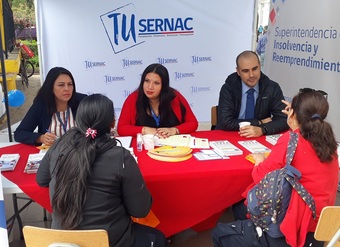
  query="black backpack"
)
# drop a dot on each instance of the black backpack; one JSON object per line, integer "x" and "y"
{"x": 268, "y": 201}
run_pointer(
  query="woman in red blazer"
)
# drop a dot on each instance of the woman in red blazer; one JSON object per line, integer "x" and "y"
{"x": 156, "y": 108}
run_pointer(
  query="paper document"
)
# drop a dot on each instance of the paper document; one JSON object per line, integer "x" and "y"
{"x": 225, "y": 148}
{"x": 125, "y": 140}
{"x": 176, "y": 140}
{"x": 199, "y": 143}
{"x": 209, "y": 155}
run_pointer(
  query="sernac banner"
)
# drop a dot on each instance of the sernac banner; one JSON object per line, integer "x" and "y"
{"x": 3, "y": 226}
{"x": 108, "y": 44}
{"x": 303, "y": 49}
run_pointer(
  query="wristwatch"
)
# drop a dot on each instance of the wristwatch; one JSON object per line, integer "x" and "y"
{"x": 264, "y": 129}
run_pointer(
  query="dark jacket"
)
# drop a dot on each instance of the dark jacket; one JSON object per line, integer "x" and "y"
{"x": 117, "y": 191}
{"x": 268, "y": 104}
{"x": 37, "y": 116}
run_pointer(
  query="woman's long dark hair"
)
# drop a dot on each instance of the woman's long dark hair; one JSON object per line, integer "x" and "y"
{"x": 311, "y": 109}
{"x": 77, "y": 154}
{"x": 167, "y": 94}
{"x": 46, "y": 91}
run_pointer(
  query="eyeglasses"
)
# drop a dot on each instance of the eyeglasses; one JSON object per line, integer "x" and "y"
{"x": 307, "y": 90}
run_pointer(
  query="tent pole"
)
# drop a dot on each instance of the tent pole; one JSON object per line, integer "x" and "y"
{"x": 4, "y": 83}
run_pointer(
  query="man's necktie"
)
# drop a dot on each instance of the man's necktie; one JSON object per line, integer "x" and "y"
{"x": 250, "y": 105}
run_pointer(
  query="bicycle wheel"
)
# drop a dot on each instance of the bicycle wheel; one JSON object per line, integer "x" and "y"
{"x": 29, "y": 68}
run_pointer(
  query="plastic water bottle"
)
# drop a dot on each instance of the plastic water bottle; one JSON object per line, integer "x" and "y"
{"x": 139, "y": 142}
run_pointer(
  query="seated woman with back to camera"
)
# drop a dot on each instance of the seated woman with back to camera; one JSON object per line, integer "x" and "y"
{"x": 104, "y": 176}
{"x": 315, "y": 157}
{"x": 156, "y": 108}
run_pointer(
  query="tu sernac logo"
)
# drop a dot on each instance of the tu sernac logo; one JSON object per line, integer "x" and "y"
{"x": 180, "y": 75}
{"x": 110, "y": 79}
{"x": 124, "y": 30}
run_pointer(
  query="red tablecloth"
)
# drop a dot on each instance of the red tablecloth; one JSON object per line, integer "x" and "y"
{"x": 187, "y": 194}
{"x": 26, "y": 182}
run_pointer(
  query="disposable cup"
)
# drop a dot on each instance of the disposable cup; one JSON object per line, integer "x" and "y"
{"x": 243, "y": 124}
{"x": 148, "y": 141}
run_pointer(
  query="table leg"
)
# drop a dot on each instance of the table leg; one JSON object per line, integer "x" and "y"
{"x": 17, "y": 211}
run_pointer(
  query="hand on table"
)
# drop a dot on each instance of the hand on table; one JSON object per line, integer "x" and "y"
{"x": 47, "y": 139}
{"x": 250, "y": 131}
{"x": 258, "y": 157}
{"x": 166, "y": 132}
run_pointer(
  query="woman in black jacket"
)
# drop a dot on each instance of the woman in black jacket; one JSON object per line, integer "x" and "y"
{"x": 95, "y": 184}
{"x": 53, "y": 111}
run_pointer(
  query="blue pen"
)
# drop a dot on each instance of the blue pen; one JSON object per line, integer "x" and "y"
{"x": 47, "y": 130}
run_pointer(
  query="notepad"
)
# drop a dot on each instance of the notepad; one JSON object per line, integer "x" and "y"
{"x": 251, "y": 159}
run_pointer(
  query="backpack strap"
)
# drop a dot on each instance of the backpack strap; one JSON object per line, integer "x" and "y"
{"x": 293, "y": 175}
{"x": 292, "y": 144}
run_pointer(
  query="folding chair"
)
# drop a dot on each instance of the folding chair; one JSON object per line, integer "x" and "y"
{"x": 44, "y": 237}
{"x": 328, "y": 228}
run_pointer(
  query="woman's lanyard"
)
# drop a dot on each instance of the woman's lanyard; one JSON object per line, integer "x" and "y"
{"x": 157, "y": 118}
{"x": 64, "y": 124}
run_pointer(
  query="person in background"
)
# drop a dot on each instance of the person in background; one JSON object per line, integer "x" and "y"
{"x": 156, "y": 108}
{"x": 267, "y": 117}
{"x": 261, "y": 46}
{"x": 260, "y": 30}
{"x": 95, "y": 184}
{"x": 53, "y": 110}
{"x": 315, "y": 157}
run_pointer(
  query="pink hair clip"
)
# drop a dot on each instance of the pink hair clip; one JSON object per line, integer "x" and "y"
{"x": 91, "y": 132}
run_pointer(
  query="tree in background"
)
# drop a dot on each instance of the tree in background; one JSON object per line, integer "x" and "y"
{"x": 23, "y": 13}
{"x": 25, "y": 22}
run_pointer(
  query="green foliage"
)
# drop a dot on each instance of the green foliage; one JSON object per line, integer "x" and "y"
{"x": 23, "y": 13}
{"x": 29, "y": 3}
{"x": 32, "y": 44}
{"x": 24, "y": 16}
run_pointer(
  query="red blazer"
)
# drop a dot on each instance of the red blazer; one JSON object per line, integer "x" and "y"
{"x": 127, "y": 120}
{"x": 319, "y": 179}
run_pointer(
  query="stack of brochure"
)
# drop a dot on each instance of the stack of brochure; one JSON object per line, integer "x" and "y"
{"x": 209, "y": 154}
{"x": 8, "y": 161}
{"x": 254, "y": 146}
{"x": 225, "y": 148}
{"x": 272, "y": 139}
{"x": 33, "y": 162}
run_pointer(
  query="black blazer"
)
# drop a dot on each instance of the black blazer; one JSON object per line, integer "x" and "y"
{"x": 268, "y": 104}
{"x": 37, "y": 116}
